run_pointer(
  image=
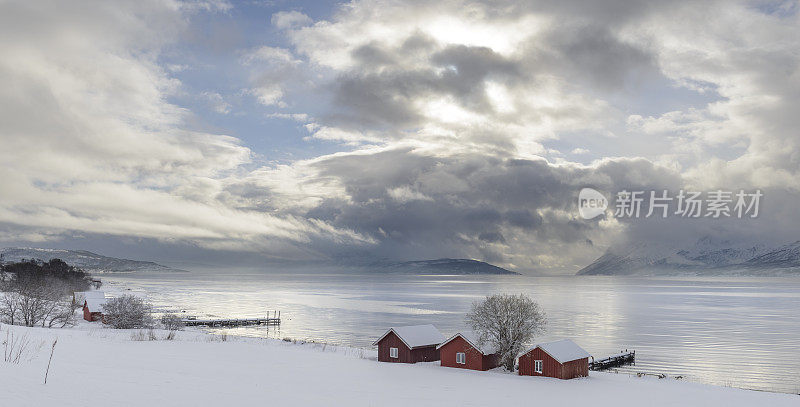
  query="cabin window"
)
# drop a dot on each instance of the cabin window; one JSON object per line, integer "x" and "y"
{"x": 461, "y": 358}
{"x": 537, "y": 366}
{"x": 393, "y": 353}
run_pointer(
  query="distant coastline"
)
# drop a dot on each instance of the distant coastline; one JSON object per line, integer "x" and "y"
{"x": 83, "y": 259}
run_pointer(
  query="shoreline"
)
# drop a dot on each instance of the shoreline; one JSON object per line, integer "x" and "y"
{"x": 713, "y": 369}
{"x": 92, "y": 363}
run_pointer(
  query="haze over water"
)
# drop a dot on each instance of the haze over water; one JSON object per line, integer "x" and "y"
{"x": 739, "y": 331}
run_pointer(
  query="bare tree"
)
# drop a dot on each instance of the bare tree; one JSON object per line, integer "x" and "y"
{"x": 508, "y": 322}
{"x": 128, "y": 312}
{"x": 36, "y": 293}
{"x": 9, "y": 307}
{"x": 37, "y": 302}
{"x": 60, "y": 313}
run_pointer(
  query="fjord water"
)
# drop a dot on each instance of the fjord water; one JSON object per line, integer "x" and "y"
{"x": 738, "y": 331}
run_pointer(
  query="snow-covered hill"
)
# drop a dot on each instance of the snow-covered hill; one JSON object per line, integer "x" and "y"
{"x": 88, "y": 261}
{"x": 707, "y": 256}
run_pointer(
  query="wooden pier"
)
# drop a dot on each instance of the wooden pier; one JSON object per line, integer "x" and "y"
{"x": 275, "y": 319}
{"x": 621, "y": 359}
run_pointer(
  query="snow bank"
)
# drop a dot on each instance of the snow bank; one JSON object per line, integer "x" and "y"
{"x": 93, "y": 366}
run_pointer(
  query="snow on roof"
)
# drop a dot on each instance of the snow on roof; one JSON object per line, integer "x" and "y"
{"x": 472, "y": 338}
{"x": 95, "y": 304}
{"x": 563, "y": 351}
{"x": 90, "y": 294}
{"x": 416, "y": 336}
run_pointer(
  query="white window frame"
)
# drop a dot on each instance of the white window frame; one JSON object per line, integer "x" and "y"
{"x": 394, "y": 353}
{"x": 461, "y": 358}
{"x": 538, "y": 366}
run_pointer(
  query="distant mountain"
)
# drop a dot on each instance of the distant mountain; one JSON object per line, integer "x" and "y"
{"x": 440, "y": 266}
{"x": 707, "y": 256}
{"x": 88, "y": 261}
{"x": 784, "y": 257}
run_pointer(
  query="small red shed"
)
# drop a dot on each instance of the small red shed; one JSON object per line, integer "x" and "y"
{"x": 562, "y": 359}
{"x": 409, "y": 344}
{"x": 93, "y": 309}
{"x": 464, "y": 351}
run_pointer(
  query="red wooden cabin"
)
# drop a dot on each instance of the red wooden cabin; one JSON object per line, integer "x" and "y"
{"x": 409, "y": 344}
{"x": 93, "y": 309}
{"x": 562, "y": 359}
{"x": 463, "y": 351}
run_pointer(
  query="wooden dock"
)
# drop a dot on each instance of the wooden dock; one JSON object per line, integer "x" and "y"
{"x": 275, "y": 319}
{"x": 621, "y": 359}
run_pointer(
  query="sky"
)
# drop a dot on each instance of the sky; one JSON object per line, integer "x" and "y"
{"x": 281, "y": 131}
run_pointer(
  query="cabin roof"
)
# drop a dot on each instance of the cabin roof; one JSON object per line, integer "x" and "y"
{"x": 91, "y": 294}
{"x": 415, "y": 336}
{"x": 472, "y": 339}
{"x": 95, "y": 304}
{"x": 562, "y": 351}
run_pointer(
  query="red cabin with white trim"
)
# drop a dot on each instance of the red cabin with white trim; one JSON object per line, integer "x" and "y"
{"x": 562, "y": 359}
{"x": 93, "y": 309}
{"x": 465, "y": 351}
{"x": 409, "y": 344}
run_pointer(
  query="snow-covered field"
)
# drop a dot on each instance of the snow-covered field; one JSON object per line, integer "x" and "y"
{"x": 94, "y": 366}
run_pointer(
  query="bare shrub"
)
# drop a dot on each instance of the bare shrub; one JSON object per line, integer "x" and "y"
{"x": 151, "y": 335}
{"x": 15, "y": 347}
{"x": 172, "y": 322}
{"x": 127, "y": 312}
{"x": 508, "y": 322}
{"x": 223, "y": 337}
{"x": 170, "y": 336}
{"x": 138, "y": 336}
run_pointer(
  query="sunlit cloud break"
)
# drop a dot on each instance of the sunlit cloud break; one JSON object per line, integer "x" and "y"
{"x": 393, "y": 130}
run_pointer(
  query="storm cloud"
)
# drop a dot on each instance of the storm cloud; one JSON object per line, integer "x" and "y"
{"x": 446, "y": 129}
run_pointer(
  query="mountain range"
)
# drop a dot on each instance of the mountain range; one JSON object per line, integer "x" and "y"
{"x": 96, "y": 263}
{"x": 439, "y": 266}
{"x": 708, "y": 256}
{"x": 85, "y": 260}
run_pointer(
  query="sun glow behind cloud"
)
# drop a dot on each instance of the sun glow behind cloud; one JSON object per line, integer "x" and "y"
{"x": 433, "y": 130}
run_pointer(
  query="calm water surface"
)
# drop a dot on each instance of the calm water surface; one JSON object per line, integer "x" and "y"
{"x": 741, "y": 332}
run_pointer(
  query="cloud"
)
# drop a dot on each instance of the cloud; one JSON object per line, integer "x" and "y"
{"x": 511, "y": 211}
{"x": 270, "y": 55}
{"x": 496, "y": 86}
{"x": 446, "y": 128}
{"x": 94, "y": 146}
{"x": 290, "y": 19}
{"x": 269, "y": 95}
{"x": 272, "y": 70}
{"x": 217, "y": 102}
{"x": 206, "y": 5}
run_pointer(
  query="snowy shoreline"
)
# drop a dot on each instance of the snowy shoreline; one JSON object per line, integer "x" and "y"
{"x": 93, "y": 365}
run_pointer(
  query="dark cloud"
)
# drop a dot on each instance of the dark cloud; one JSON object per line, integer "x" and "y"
{"x": 472, "y": 205}
{"x": 445, "y": 133}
